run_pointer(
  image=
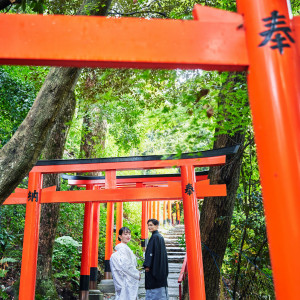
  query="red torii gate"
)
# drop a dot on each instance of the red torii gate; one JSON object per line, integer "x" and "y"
{"x": 96, "y": 182}
{"x": 262, "y": 38}
{"x": 185, "y": 187}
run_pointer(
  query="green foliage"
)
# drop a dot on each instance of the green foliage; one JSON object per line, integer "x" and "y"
{"x": 71, "y": 224}
{"x": 295, "y": 5}
{"x": 181, "y": 241}
{"x": 16, "y": 98}
{"x": 132, "y": 220}
{"x": 233, "y": 118}
{"x": 3, "y": 295}
{"x": 26, "y": 6}
{"x": 34, "y": 5}
{"x": 66, "y": 259}
{"x": 7, "y": 260}
{"x": 154, "y": 110}
{"x": 71, "y": 220}
{"x": 45, "y": 6}
{"x": 4, "y": 264}
{"x": 12, "y": 220}
{"x": 247, "y": 260}
{"x": 62, "y": 7}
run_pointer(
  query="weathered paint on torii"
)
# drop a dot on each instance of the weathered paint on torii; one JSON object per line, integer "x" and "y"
{"x": 215, "y": 40}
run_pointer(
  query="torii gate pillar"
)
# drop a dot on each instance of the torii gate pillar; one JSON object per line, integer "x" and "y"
{"x": 110, "y": 182}
{"x": 192, "y": 234}
{"x": 274, "y": 89}
{"x": 31, "y": 237}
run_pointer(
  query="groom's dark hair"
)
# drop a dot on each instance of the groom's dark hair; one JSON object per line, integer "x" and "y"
{"x": 154, "y": 221}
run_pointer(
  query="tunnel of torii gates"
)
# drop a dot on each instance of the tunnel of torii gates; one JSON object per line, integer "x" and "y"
{"x": 187, "y": 186}
{"x": 262, "y": 38}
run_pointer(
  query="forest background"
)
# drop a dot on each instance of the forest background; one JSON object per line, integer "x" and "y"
{"x": 86, "y": 113}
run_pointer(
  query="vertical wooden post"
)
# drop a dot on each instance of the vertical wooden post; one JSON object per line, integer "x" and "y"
{"x": 146, "y": 219}
{"x": 95, "y": 244}
{"x": 149, "y": 203}
{"x": 144, "y": 231}
{"x": 86, "y": 249}
{"x": 144, "y": 225}
{"x": 173, "y": 215}
{"x": 110, "y": 183}
{"x": 177, "y": 213}
{"x": 119, "y": 220}
{"x": 154, "y": 215}
{"x": 151, "y": 211}
{"x": 169, "y": 212}
{"x": 192, "y": 234}
{"x": 164, "y": 212}
{"x": 274, "y": 90}
{"x": 158, "y": 211}
{"x": 31, "y": 238}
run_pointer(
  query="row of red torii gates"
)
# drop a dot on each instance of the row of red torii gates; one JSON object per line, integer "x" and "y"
{"x": 261, "y": 38}
{"x": 150, "y": 209}
{"x": 170, "y": 213}
{"x": 111, "y": 189}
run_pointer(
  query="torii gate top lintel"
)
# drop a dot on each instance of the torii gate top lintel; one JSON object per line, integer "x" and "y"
{"x": 213, "y": 41}
{"x": 203, "y": 158}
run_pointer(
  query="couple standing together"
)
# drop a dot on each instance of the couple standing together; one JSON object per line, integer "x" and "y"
{"x": 123, "y": 266}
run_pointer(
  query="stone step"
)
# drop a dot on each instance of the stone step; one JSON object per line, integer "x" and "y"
{"x": 175, "y": 267}
{"x": 175, "y": 249}
{"x": 179, "y": 234}
{"x": 171, "y": 242}
{"x": 178, "y": 256}
{"x": 170, "y": 245}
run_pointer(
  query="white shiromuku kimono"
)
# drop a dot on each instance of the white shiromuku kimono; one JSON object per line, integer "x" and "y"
{"x": 125, "y": 275}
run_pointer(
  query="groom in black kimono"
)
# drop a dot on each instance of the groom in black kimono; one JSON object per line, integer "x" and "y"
{"x": 156, "y": 265}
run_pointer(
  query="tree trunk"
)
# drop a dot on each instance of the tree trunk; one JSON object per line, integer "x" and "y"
{"x": 93, "y": 134}
{"x": 21, "y": 153}
{"x": 216, "y": 212}
{"x": 54, "y": 149}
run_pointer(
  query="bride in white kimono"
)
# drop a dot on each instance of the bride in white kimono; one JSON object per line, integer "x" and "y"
{"x": 123, "y": 267}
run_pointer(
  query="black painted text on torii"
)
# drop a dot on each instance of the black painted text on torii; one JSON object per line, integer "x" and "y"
{"x": 33, "y": 196}
{"x": 278, "y": 33}
{"x": 189, "y": 189}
